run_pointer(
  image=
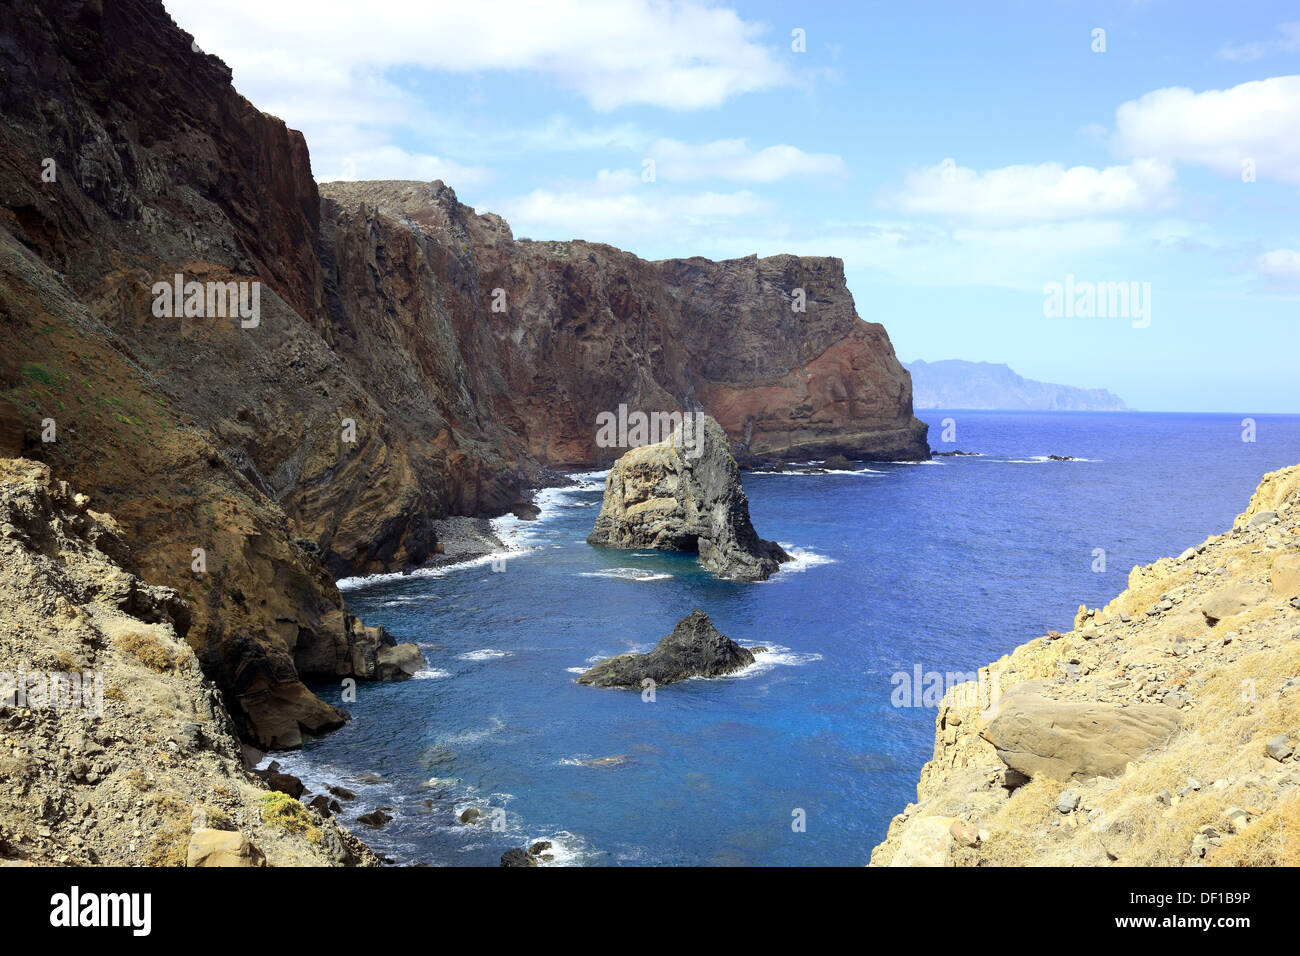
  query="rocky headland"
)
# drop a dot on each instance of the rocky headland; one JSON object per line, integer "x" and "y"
{"x": 410, "y": 360}
{"x": 667, "y": 497}
{"x": 694, "y": 648}
{"x": 1161, "y": 731}
{"x": 953, "y": 383}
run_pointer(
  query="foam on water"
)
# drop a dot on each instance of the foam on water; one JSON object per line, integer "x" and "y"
{"x": 776, "y": 656}
{"x": 628, "y": 574}
{"x": 821, "y": 472}
{"x": 484, "y": 654}
{"x": 1039, "y": 460}
{"x": 430, "y": 673}
{"x": 803, "y": 559}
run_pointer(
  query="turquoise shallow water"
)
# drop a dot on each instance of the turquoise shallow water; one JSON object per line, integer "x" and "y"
{"x": 947, "y": 565}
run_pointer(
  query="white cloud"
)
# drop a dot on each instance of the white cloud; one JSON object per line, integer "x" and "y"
{"x": 392, "y": 162}
{"x": 1280, "y": 268}
{"x": 732, "y": 159}
{"x": 620, "y": 209}
{"x": 1019, "y": 259}
{"x": 1028, "y": 194}
{"x": 1287, "y": 41}
{"x": 1257, "y": 121}
{"x": 677, "y": 54}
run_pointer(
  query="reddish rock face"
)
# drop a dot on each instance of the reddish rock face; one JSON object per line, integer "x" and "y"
{"x": 378, "y": 390}
{"x": 579, "y": 328}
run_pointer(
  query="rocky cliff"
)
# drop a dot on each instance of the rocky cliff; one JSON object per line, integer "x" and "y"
{"x": 551, "y": 334}
{"x": 1162, "y": 730}
{"x": 114, "y": 748}
{"x": 408, "y": 360}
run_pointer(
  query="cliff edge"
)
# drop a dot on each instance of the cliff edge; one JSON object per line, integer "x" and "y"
{"x": 114, "y": 748}
{"x": 1161, "y": 731}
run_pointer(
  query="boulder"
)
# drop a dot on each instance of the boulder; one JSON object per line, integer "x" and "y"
{"x": 1230, "y": 600}
{"x": 695, "y": 648}
{"x": 1280, "y": 747}
{"x": 927, "y": 841}
{"x": 517, "y": 857}
{"x": 666, "y": 497}
{"x": 964, "y": 834}
{"x": 1068, "y": 802}
{"x": 398, "y": 662}
{"x": 285, "y": 783}
{"x": 376, "y": 818}
{"x": 1261, "y": 518}
{"x": 1284, "y": 576}
{"x": 1039, "y": 736}
{"x": 222, "y": 848}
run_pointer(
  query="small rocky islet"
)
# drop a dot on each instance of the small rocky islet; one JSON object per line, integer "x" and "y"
{"x": 695, "y": 648}
{"x": 662, "y": 497}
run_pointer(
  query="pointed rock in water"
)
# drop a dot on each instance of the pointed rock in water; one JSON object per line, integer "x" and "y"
{"x": 695, "y": 648}
{"x": 664, "y": 496}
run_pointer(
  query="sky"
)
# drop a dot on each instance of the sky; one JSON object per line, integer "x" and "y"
{"x": 969, "y": 162}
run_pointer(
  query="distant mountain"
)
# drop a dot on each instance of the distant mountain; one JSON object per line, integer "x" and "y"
{"x": 956, "y": 384}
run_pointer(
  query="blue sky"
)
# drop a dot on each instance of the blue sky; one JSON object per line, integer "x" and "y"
{"x": 958, "y": 156}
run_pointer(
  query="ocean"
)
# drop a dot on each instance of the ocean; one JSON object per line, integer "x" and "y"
{"x": 803, "y": 758}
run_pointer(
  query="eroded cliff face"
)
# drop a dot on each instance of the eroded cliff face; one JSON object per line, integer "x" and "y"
{"x": 126, "y": 157}
{"x": 1162, "y": 730}
{"x": 551, "y": 334}
{"x": 116, "y": 749}
{"x": 377, "y": 390}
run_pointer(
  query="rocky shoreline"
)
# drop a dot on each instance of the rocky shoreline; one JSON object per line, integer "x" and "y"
{"x": 1161, "y": 731}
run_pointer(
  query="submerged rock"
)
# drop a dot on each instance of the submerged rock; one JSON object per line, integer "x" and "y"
{"x": 664, "y": 497}
{"x": 376, "y": 818}
{"x": 695, "y": 648}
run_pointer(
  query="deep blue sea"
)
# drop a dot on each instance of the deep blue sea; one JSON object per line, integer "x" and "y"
{"x": 947, "y": 564}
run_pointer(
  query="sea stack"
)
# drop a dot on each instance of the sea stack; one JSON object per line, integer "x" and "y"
{"x": 685, "y": 495}
{"x": 695, "y": 648}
